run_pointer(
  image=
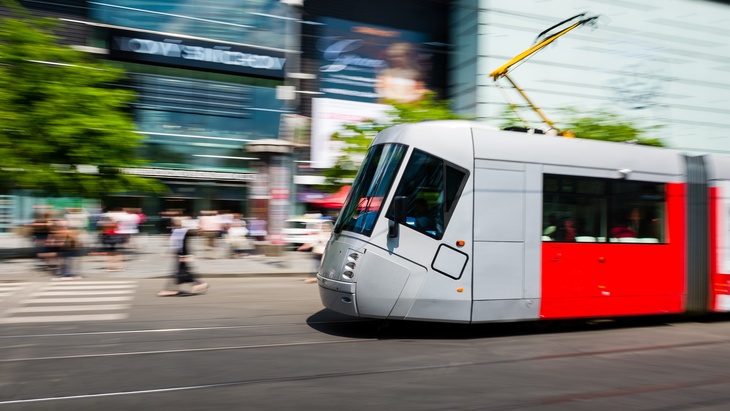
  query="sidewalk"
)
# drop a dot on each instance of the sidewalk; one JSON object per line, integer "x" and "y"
{"x": 148, "y": 257}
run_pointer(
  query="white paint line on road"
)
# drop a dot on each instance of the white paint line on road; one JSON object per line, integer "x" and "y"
{"x": 80, "y": 292}
{"x": 63, "y": 318}
{"x": 76, "y": 300}
{"x": 13, "y": 286}
{"x": 10, "y": 289}
{"x": 186, "y": 350}
{"x": 93, "y": 287}
{"x": 171, "y": 389}
{"x": 62, "y": 308}
{"x": 82, "y": 282}
{"x": 175, "y": 330}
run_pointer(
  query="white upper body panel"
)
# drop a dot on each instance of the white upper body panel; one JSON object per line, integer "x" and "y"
{"x": 455, "y": 140}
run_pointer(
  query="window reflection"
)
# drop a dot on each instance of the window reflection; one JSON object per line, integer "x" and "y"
{"x": 432, "y": 187}
{"x": 581, "y": 209}
{"x": 371, "y": 185}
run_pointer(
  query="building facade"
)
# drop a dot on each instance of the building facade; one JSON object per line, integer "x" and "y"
{"x": 206, "y": 81}
{"x": 663, "y": 65}
{"x": 213, "y": 77}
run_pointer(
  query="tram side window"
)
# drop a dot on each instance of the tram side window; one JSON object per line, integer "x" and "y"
{"x": 574, "y": 209}
{"x": 432, "y": 187}
{"x": 581, "y": 209}
{"x": 638, "y": 212}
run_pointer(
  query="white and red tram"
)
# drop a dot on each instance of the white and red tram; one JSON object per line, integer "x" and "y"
{"x": 457, "y": 221}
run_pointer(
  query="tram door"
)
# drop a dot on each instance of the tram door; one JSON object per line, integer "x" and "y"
{"x": 506, "y": 235}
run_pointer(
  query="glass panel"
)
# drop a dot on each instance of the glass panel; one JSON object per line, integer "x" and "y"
{"x": 574, "y": 209}
{"x": 638, "y": 212}
{"x": 370, "y": 187}
{"x": 432, "y": 187}
{"x": 260, "y": 22}
{"x": 584, "y": 209}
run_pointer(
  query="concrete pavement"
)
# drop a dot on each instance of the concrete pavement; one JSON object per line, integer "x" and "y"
{"x": 148, "y": 257}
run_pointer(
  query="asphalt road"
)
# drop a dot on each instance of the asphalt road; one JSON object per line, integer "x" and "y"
{"x": 267, "y": 344}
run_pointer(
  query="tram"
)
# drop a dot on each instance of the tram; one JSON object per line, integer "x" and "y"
{"x": 457, "y": 221}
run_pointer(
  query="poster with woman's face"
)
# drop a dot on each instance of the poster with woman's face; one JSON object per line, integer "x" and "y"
{"x": 373, "y": 64}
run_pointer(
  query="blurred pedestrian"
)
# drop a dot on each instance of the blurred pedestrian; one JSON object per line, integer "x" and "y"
{"x": 41, "y": 229}
{"x": 182, "y": 274}
{"x": 64, "y": 243}
{"x": 211, "y": 228}
{"x": 112, "y": 241}
{"x": 237, "y": 236}
{"x": 257, "y": 229}
{"x": 317, "y": 250}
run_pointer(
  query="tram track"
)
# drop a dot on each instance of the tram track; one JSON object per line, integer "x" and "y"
{"x": 362, "y": 372}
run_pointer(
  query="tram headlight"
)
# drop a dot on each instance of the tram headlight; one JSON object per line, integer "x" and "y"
{"x": 348, "y": 270}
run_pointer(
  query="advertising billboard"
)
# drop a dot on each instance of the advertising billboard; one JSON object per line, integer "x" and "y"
{"x": 328, "y": 117}
{"x": 373, "y": 64}
{"x": 184, "y": 52}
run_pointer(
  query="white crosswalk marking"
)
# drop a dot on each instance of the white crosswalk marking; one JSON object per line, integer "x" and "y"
{"x": 63, "y": 318}
{"x": 76, "y": 292}
{"x": 87, "y": 300}
{"x": 67, "y": 308}
{"x": 8, "y": 289}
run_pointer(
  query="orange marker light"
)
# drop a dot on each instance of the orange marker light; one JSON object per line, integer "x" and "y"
{"x": 459, "y": 290}
{"x": 460, "y": 243}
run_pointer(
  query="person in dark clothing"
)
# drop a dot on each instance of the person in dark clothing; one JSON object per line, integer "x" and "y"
{"x": 181, "y": 274}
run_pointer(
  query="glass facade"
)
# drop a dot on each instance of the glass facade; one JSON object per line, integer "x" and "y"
{"x": 200, "y": 123}
{"x": 257, "y": 22}
{"x": 205, "y": 75}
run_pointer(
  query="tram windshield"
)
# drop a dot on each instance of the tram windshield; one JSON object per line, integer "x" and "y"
{"x": 370, "y": 187}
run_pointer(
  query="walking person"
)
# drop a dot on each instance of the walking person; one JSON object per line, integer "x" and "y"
{"x": 179, "y": 246}
{"x": 65, "y": 243}
{"x": 211, "y": 228}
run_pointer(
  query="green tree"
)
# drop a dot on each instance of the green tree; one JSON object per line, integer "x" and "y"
{"x": 594, "y": 125}
{"x": 60, "y": 118}
{"x": 608, "y": 126}
{"x": 357, "y": 137}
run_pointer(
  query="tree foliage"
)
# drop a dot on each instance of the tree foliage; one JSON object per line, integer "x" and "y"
{"x": 595, "y": 125}
{"x": 58, "y": 112}
{"x": 357, "y": 137}
{"x": 607, "y": 126}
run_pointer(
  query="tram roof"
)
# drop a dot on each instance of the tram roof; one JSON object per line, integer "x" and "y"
{"x": 491, "y": 143}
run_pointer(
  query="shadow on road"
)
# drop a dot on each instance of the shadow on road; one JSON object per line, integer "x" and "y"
{"x": 332, "y": 323}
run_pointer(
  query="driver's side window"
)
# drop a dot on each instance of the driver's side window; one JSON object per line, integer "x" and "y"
{"x": 432, "y": 187}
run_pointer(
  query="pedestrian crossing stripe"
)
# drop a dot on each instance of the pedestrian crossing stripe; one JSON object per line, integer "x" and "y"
{"x": 63, "y": 318}
{"x": 95, "y": 292}
{"x": 84, "y": 282}
{"x": 74, "y": 302}
{"x": 8, "y": 289}
{"x": 67, "y": 308}
{"x": 92, "y": 287}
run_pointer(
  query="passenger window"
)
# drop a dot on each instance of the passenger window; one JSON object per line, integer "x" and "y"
{"x": 638, "y": 213}
{"x": 581, "y": 209}
{"x": 432, "y": 187}
{"x": 573, "y": 209}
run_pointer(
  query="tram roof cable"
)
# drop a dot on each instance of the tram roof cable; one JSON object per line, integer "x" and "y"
{"x": 543, "y": 39}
